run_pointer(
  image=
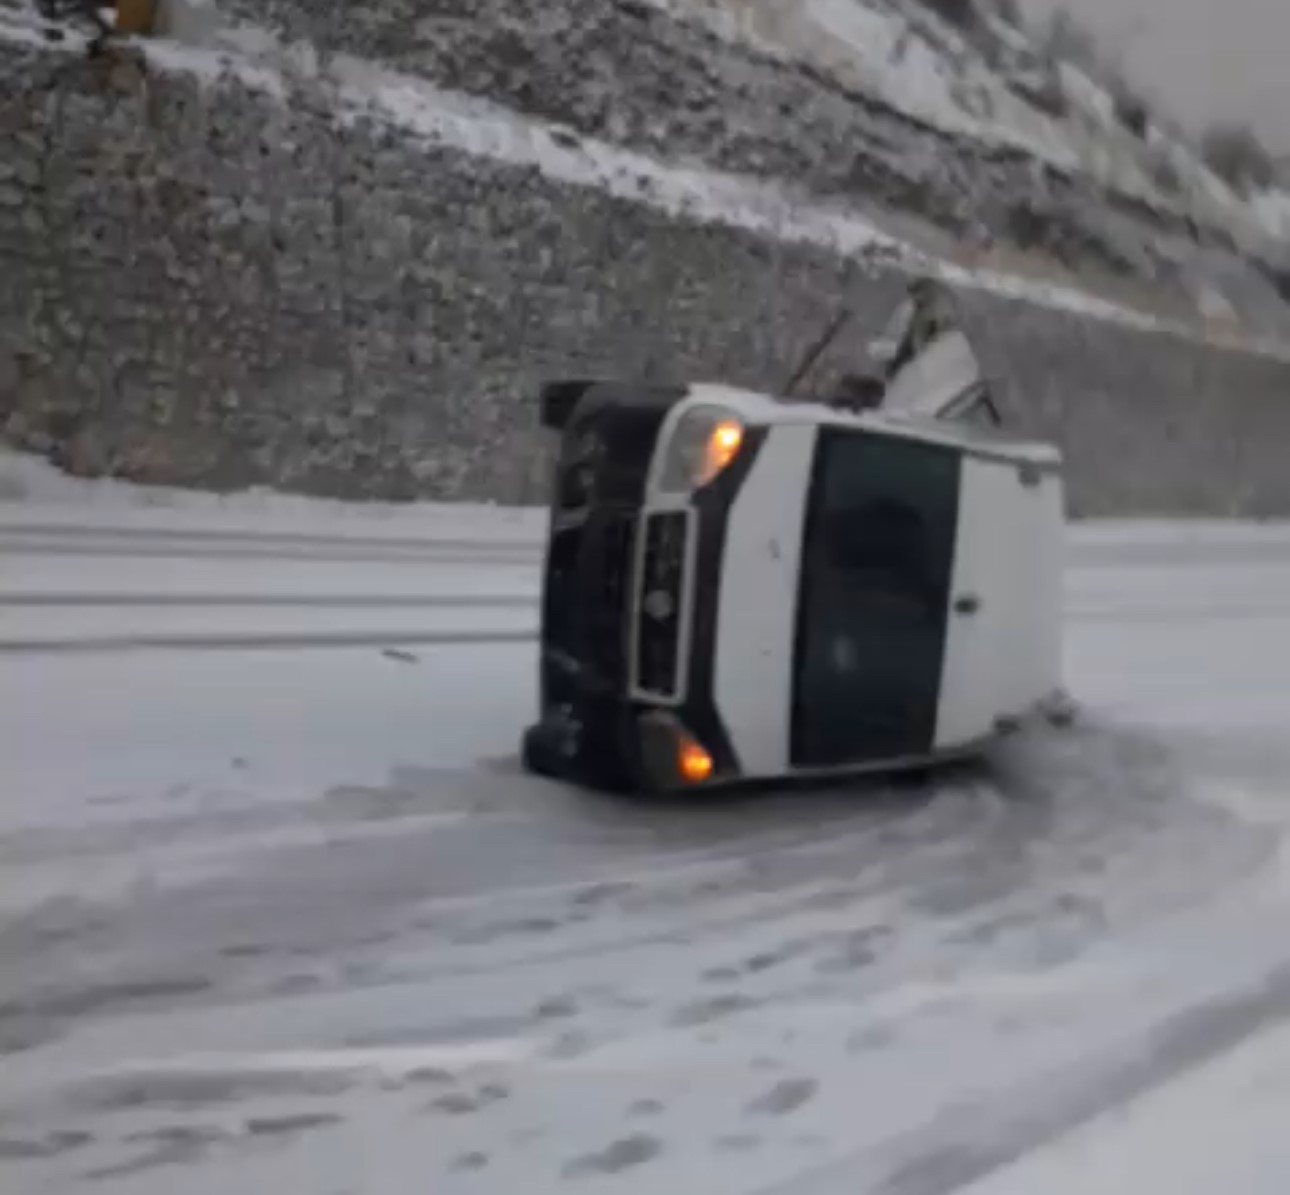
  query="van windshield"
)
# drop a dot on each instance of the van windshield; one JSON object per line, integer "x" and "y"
{"x": 875, "y": 576}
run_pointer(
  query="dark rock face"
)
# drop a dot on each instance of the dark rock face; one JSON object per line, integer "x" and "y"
{"x": 202, "y": 285}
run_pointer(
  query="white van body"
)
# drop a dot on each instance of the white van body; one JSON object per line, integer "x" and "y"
{"x": 1002, "y": 649}
{"x": 743, "y": 586}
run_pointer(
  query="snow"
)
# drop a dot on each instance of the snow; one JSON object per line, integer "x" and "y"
{"x": 236, "y": 733}
{"x": 110, "y": 565}
{"x": 1220, "y": 1129}
{"x": 34, "y": 492}
{"x": 284, "y": 913}
{"x": 891, "y": 59}
{"x": 484, "y": 129}
{"x": 889, "y": 52}
{"x": 1272, "y": 207}
{"x": 213, "y": 67}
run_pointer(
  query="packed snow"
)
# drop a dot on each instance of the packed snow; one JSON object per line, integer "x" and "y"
{"x": 290, "y": 918}
{"x": 1273, "y": 209}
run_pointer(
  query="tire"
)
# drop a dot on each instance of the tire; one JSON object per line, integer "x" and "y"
{"x": 539, "y": 754}
{"x": 605, "y": 758}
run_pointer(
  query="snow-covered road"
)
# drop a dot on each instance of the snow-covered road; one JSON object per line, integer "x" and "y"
{"x": 278, "y": 912}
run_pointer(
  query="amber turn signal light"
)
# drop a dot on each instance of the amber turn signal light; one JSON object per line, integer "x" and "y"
{"x": 693, "y": 762}
{"x": 724, "y": 443}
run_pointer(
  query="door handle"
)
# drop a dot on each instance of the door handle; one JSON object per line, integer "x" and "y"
{"x": 967, "y": 604}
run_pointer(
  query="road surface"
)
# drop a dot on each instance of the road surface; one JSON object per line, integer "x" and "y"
{"x": 278, "y": 911}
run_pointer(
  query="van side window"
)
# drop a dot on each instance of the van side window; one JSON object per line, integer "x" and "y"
{"x": 876, "y": 564}
{"x": 877, "y": 553}
{"x": 877, "y": 540}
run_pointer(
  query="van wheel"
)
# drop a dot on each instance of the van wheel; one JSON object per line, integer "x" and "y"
{"x": 596, "y": 765}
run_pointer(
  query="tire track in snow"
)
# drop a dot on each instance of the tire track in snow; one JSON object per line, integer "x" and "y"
{"x": 274, "y": 641}
{"x": 252, "y": 550}
{"x": 328, "y": 601}
{"x": 1004, "y": 1128}
{"x": 73, "y": 534}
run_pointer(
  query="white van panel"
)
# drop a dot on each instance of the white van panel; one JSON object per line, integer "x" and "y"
{"x": 1002, "y": 660}
{"x": 1038, "y": 631}
{"x": 977, "y": 648}
{"x": 753, "y": 681}
{"x": 944, "y": 370}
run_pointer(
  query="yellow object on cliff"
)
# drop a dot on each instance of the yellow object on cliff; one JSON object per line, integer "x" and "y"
{"x": 136, "y": 16}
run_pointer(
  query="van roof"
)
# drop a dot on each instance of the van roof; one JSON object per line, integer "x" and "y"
{"x": 969, "y": 438}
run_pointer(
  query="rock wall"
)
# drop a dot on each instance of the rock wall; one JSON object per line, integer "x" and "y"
{"x": 632, "y": 72}
{"x": 202, "y": 285}
{"x": 1151, "y": 423}
{"x": 758, "y": 89}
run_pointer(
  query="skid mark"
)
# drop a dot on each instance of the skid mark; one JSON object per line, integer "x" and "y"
{"x": 703, "y": 1012}
{"x": 277, "y": 1126}
{"x": 623, "y": 1154}
{"x": 785, "y": 1097}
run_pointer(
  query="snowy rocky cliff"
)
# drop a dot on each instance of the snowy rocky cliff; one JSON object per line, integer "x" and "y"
{"x": 334, "y": 247}
{"x": 879, "y": 103}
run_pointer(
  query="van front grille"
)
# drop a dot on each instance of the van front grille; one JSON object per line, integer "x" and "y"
{"x": 605, "y": 603}
{"x": 662, "y": 590}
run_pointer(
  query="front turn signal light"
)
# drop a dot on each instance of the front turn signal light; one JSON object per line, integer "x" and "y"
{"x": 702, "y": 444}
{"x": 671, "y": 757}
{"x": 724, "y": 442}
{"x": 693, "y": 762}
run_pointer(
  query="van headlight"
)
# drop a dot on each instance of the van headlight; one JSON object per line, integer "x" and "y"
{"x": 703, "y": 443}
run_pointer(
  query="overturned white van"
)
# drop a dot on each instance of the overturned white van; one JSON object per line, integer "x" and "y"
{"x": 741, "y": 587}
